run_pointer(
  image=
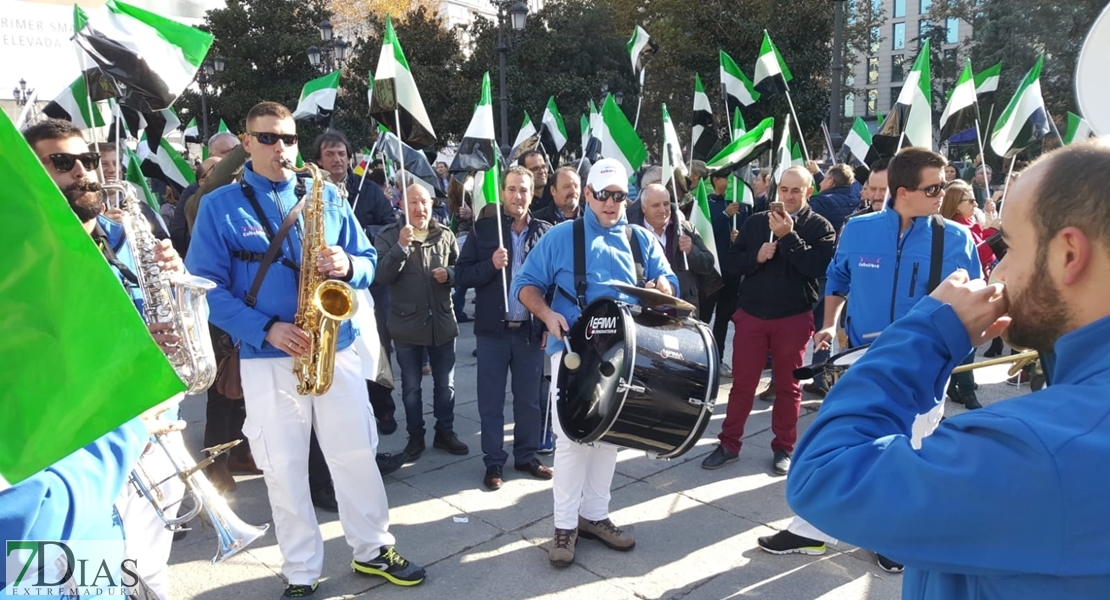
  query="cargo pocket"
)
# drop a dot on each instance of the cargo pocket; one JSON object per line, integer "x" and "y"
{"x": 253, "y": 433}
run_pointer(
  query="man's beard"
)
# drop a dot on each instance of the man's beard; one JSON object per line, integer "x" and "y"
{"x": 1037, "y": 312}
{"x": 85, "y": 199}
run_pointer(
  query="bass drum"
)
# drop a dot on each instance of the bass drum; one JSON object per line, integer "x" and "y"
{"x": 645, "y": 380}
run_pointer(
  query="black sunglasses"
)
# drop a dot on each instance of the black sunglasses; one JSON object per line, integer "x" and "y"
{"x": 606, "y": 195}
{"x": 269, "y": 139}
{"x": 931, "y": 191}
{"x": 64, "y": 162}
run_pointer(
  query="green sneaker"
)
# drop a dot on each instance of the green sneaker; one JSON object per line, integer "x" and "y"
{"x": 392, "y": 566}
{"x": 299, "y": 591}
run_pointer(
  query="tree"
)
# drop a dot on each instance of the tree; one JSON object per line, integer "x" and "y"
{"x": 354, "y": 18}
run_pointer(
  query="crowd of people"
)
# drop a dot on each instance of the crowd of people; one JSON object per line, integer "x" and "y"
{"x": 820, "y": 252}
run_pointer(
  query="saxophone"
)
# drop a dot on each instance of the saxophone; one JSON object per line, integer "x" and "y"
{"x": 178, "y": 299}
{"x": 322, "y": 303}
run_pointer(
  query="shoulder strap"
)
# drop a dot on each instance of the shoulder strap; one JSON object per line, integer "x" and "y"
{"x": 580, "y": 262}
{"x": 637, "y": 255}
{"x": 276, "y": 239}
{"x": 936, "y": 258}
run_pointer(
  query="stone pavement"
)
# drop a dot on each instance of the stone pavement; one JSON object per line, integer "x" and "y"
{"x": 696, "y": 530}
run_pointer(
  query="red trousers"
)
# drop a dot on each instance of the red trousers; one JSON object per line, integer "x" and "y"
{"x": 786, "y": 339}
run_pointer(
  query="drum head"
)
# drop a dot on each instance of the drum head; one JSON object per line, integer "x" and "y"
{"x": 589, "y": 399}
{"x": 848, "y": 357}
{"x": 1092, "y": 88}
{"x": 654, "y": 299}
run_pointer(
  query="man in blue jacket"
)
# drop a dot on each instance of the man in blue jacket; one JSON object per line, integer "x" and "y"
{"x": 228, "y": 240}
{"x": 584, "y": 473}
{"x": 509, "y": 338}
{"x": 882, "y": 264}
{"x": 1036, "y": 526}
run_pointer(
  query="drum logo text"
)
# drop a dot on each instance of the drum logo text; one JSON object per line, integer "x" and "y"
{"x": 671, "y": 354}
{"x": 601, "y": 325}
{"x": 869, "y": 263}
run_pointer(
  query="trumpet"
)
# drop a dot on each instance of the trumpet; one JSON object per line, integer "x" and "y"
{"x": 232, "y": 533}
{"x": 1020, "y": 361}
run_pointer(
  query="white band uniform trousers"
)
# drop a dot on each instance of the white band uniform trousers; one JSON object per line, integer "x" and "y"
{"x": 583, "y": 472}
{"x": 278, "y": 425}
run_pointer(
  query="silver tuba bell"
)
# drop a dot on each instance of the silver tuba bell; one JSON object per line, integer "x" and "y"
{"x": 178, "y": 299}
{"x": 232, "y": 533}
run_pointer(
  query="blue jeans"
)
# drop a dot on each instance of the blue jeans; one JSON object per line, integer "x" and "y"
{"x": 497, "y": 356}
{"x": 458, "y": 298}
{"x": 442, "y": 360}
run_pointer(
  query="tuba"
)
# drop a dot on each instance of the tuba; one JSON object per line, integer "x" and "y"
{"x": 232, "y": 533}
{"x": 322, "y": 303}
{"x": 178, "y": 299}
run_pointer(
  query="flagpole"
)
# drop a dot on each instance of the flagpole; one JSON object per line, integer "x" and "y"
{"x": 500, "y": 243}
{"x": 1006, "y": 186}
{"x": 401, "y": 154}
{"x": 728, "y": 113}
{"x": 797, "y": 125}
{"x": 89, "y": 104}
{"x": 358, "y": 192}
{"x": 640, "y": 101}
{"x": 1052, "y": 125}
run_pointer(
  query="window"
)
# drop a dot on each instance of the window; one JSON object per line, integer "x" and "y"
{"x": 894, "y": 92}
{"x": 897, "y": 71}
{"x": 873, "y": 70}
{"x": 876, "y": 7}
{"x": 875, "y": 38}
{"x": 924, "y": 6}
{"x": 899, "y": 8}
{"x": 898, "y": 41}
{"x": 872, "y": 102}
{"x": 953, "y": 30}
{"x": 923, "y": 29}
{"x": 849, "y": 105}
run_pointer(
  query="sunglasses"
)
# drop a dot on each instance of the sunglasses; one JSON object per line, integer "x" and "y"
{"x": 269, "y": 139}
{"x": 605, "y": 196}
{"x": 64, "y": 162}
{"x": 931, "y": 191}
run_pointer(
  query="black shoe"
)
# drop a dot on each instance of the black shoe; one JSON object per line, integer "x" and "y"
{"x": 780, "y": 464}
{"x": 324, "y": 499}
{"x": 386, "y": 424}
{"x": 388, "y": 463}
{"x": 889, "y": 565}
{"x": 392, "y": 566}
{"x": 450, "y": 442}
{"x": 463, "y": 318}
{"x": 415, "y": 447}
{"x": 299, "y": 591}
{"x": 719, "y": 458}
{"x": 995, "y": 349}
{"x": 785, "y": 542}
{"x": 493, "y": 478}
{"x": 536, "y": 469}
{"x": 968, "y": 399}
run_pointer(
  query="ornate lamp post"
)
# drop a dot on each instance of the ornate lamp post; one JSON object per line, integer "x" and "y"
{"x": 207, "y": 74}
{"x": 517, "y": 15}
{"x": 332, "y": 52}
{"x": 21, "y": 94}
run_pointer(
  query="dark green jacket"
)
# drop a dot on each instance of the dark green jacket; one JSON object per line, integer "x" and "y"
{"x": 420, "y": 310}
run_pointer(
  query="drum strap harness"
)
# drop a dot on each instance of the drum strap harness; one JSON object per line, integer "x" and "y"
{"x": 936, "y": 259}
{"x": 580, "y": 261}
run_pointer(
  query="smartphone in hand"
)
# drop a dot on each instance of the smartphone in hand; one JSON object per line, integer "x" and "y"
{"x": 778, "y": 207}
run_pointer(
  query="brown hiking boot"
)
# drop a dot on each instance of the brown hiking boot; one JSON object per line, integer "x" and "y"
{"x": 607, "y": 533}
{"x": 562, "y": 548}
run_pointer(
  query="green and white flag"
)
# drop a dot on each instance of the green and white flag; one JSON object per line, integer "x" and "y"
{"x": 738, "y": 89}
{"x": 526, "y": 139}
{"x": 739, "y": 128}
{"x": 394, "y": 95}
{"x": 1025, "y": 120}
{"x": 317, "y": 100}
{"x": 797, "y": 159}
{"x": 154, "y": 57}
{"x": 165, "y": 164}
{"x": 487, "y": 188}
{"x": 962, "y": 111}
{"x": 135, "y": 177}
{"x": 54, "y": 339}
{"x": 73, "y": 104}
{"x": 223, "y": 127}
{"x": 553, "y": 133}
{"x": 739, "y": 191}
{"x": 1078, "y": 129}
{"x": 745, "y": 148}
{"x": 702, "y": 221}
{"x": 783, "y": 157}
{"x": 584, "y": 127}
{"x": 986, "y": 83}
{"x": 912, "y": 113}
{"x": 640, "y": 40}
{"x": 192, "y": 133}
{"x": 859, "y": 143}
{"x": 672, "y": 150}
{"x": 703, "y": 133}
{"x": 772, "y": 76}
{"x": 618, "y": 138}
{"x": 476, "y": 149}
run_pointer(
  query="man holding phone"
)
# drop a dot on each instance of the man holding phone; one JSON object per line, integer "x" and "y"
{"x": 780, "y": 254}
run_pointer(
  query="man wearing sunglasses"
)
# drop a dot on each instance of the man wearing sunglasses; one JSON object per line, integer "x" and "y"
{"x": 229, "y": 239}
{"x": 881, "y": 269}
{"x": 584, "y": 473}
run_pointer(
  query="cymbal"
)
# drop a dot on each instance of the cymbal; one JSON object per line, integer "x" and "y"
{"x": 652, "y": 298}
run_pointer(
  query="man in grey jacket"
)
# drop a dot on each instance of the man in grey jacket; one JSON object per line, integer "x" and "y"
{"x": 417, "y": 262}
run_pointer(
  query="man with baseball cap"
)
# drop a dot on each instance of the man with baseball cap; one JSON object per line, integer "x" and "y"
{"x": 584, "y": 473}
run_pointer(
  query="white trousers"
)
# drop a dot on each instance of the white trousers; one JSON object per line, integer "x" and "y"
{"x": 147, "y": 541}
{"x": 923, "y": 426}
{"x": 583, "y": 472}
{"x": 278, "y": 425}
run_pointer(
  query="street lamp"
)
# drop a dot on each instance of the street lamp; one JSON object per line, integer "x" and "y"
{"x": 21, "y": 94}
{"x": 618, "y": 98}
{"x": 332, "y": 52}
{"x": 207, "y": 74}
{"x": 517, "y": 13}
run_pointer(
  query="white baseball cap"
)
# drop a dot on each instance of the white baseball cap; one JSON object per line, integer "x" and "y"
{"x": 608, "y": 172}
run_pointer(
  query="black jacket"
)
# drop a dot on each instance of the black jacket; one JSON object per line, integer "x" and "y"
{"x": 696, "y": 266}
{"x": 420, "y": 310}
{"x": 786, "y": 285}
{"x": 553, "y": 214}
{"x": 475, "y": 269}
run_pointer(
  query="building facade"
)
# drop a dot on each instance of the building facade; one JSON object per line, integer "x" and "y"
{"x": 462, "y": 12}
